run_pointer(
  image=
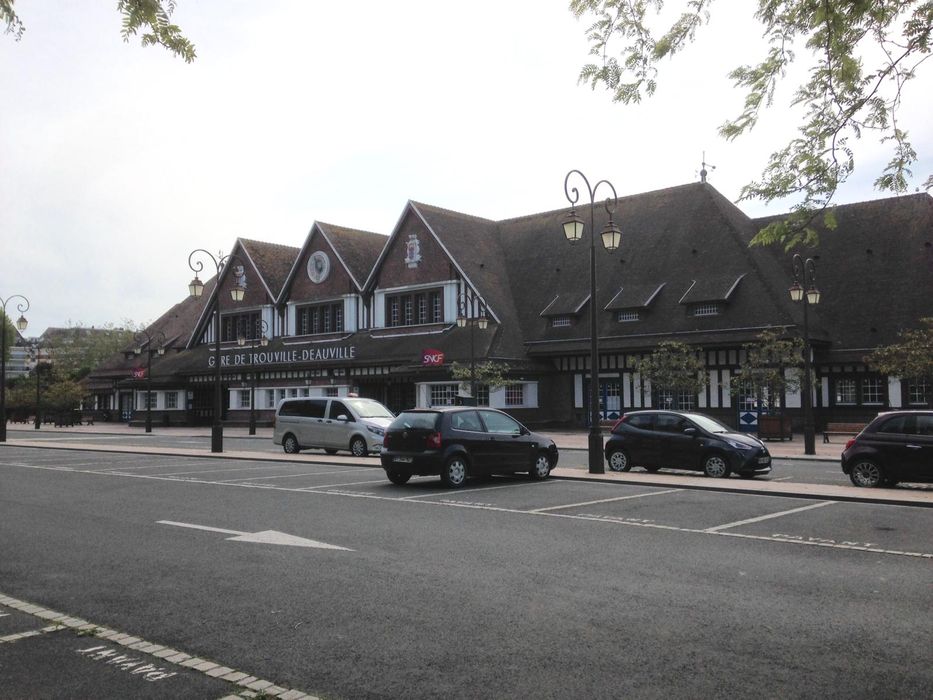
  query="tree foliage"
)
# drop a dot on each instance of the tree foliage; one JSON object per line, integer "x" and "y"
{"x": 762, "y": 373}
{"x": 151, "y": 17}
{"x": 675, "y": 367}
{"x": 77, "y": 350}
{"x": 911, "y": 358}
{"x": 491, "y": 373}
{"x": 862, "y": 56}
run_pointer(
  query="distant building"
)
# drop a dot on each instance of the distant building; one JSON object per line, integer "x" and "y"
{"x": 356, "y": 312}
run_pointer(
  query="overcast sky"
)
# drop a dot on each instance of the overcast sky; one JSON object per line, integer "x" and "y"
{"x": 116, "y": 161}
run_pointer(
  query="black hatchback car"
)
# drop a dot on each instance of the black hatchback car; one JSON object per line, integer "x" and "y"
{"x": 459, "y": 442}
{"x": 658, "y": 439}
{"x": 895, "y": 446}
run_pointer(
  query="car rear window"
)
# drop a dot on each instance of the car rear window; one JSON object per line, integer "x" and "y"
{"x": 898, "y": 424}
{"x": 426, "y": 420}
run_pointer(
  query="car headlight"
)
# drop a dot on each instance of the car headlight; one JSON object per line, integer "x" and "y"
{"x": 739, "y": 445}
{"x": 375, "y": 431}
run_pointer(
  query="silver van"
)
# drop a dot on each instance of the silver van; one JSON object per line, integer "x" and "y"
{"x": 332, "y": 424}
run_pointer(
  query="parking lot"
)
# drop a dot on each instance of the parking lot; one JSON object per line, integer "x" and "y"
{"x": 878, "y": 528}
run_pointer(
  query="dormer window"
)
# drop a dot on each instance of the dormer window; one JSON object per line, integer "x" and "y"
{"x": 708, "y": 309}
{"x": 561, "y": 321}
{"x": 628, "y": 315}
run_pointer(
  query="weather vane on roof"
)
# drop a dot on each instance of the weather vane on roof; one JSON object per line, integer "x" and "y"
{"x": 703, "y": 165}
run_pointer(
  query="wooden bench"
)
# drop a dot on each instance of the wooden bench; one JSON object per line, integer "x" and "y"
{"x": 842, "y": 429}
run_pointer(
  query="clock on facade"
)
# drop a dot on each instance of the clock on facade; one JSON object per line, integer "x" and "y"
{"x": 318, "y": 266}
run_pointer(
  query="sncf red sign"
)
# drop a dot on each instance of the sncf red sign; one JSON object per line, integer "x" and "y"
{"x": 139, "y": 373}
{"x": 432, "y": 357}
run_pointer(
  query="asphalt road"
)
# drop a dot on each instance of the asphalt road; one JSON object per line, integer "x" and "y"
{"x": 797, "y": 470}
{"x": 507, "y": 588}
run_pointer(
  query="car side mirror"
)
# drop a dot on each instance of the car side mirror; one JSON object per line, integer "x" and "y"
{"x": 525, "y": 431}
{"x": 690, "y": 431}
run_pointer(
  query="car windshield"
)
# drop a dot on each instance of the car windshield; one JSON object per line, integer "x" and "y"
{"x": 367, "y": 408}
{"x": 708, "y": 424}
{"x": 422, "y": 420}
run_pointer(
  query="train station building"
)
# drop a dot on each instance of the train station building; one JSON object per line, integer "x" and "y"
{"x": 356, "y": 312}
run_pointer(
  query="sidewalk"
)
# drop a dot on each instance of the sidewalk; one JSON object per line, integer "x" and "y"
{"x": 565, "y": 439}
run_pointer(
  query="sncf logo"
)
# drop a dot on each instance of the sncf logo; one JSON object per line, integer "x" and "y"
{"x": 432, "y": 357}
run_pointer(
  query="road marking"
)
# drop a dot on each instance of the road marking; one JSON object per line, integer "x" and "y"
{"x": 263, "y": 537}
{"x": 331, "y": 486}
{"x": 603, "y": 500}
{"x": 447, "y": 492}
{"x": 292, "y": 476}
{"x": 760, "y": 518}
{"x": 590, "y": 518}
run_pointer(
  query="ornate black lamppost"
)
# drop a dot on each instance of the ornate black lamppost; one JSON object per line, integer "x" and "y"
{"x": 141, "y": 336}
{"x": 612, "y": 236}
{"x": 471, "y": 309}
{"x": 196, "y": 289}
{"x": 805, "y": 271}
{"x": 21, "y": 324}
{"x": 254, "y": 343}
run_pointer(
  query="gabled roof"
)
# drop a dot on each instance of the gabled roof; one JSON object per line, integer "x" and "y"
{"x": 272, "y": 262}
{"x": 356, "y": 250}
{"x": 474, "y": 246}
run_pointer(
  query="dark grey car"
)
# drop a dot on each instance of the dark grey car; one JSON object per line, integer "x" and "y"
{"x": 895, "y": 446}
{"x": 671, "y": 439}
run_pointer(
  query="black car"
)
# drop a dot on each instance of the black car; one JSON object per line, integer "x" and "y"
{"x": 658, "y": 439}
{"x": 460, "y": 442}
{"x": 895, "y": 446}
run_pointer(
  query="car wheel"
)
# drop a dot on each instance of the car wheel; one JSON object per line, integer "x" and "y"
{"x": 358, "y": 447}
{"x": 290, "y": 444}
{"x": 397, "y": 477}
{"x": 867, "y": 474}
{"x": 454, "y": 473}
{"x": 330, "y": 450}
{"x": 541, "y": 468}
{"x": 715, "y": 466}
{"x": 619, "y": 461}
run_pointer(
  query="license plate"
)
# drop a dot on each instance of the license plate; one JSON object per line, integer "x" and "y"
{"x": 764, "y": 460}
{"x": 403, "y": 460}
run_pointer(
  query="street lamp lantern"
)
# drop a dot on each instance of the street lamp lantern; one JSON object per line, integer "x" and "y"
{"x": 461, "y": 321}
{"x": 805, "y": 277}
{"x": 21, "y": 324}
{"x": 611, "y": 237}
{"x": 196, "y": 288}
{"x": 482, "y": 322}
{"x": 573, "y": 226}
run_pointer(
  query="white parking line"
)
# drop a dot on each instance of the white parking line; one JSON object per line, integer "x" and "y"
{"x": 603, "y": 500}
{"x": 331, "y": 486}
{"x": 448, "y": 492}
{"x": 717, "y": 528}
{"x": 292, "y": 476}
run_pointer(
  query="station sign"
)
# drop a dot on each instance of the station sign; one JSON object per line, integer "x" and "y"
{"x": 253, "y": 358}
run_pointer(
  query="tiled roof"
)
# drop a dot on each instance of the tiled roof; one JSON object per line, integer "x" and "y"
{"x": 635, "y": 296}
{"x": 874, "y": 271}
{"x": 358, "y": 249}
{"x": 273, "y": 262}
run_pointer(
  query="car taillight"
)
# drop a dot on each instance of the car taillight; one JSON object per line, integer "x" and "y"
{"x": 849, "y": 443}
{"x": 434, "y": 440}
